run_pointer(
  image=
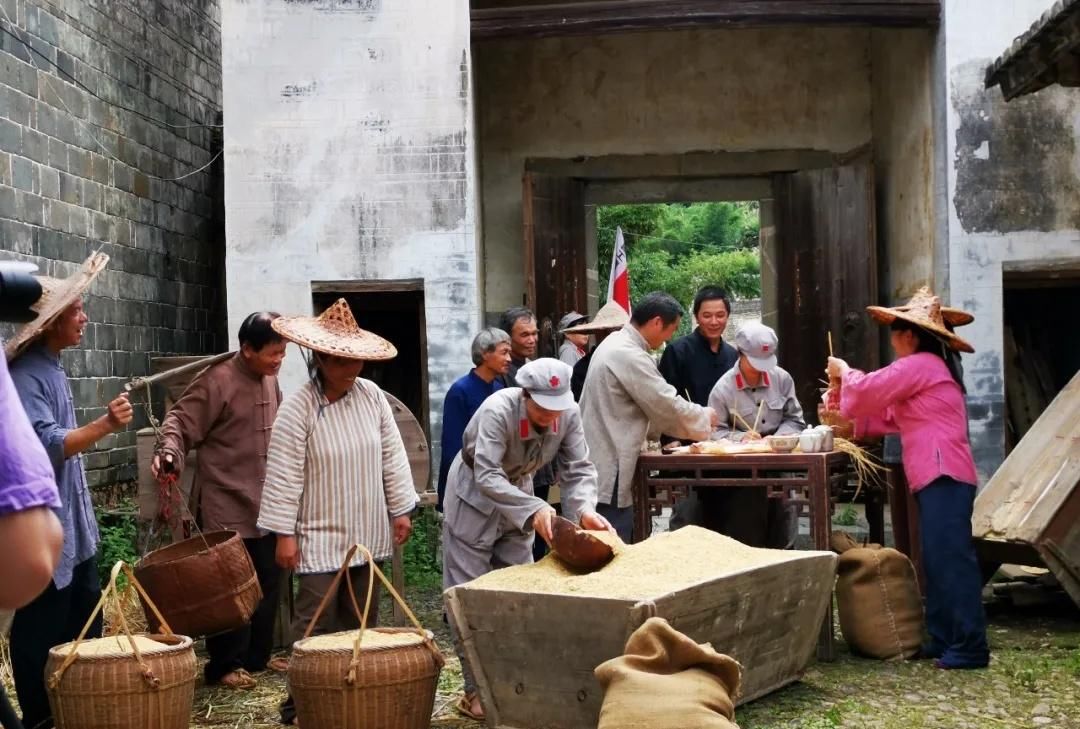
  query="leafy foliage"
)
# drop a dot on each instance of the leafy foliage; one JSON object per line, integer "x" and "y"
{"x": 423, "y": 565}
{"x": 118, "y": 541}
{"x": 679, "y": 248}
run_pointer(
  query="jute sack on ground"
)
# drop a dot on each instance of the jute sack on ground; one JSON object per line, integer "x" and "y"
{"x": 877, "y": 594}
{"x": 664, "y": 680}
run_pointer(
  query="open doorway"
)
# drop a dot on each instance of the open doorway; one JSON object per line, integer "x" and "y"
{"x": 681, "y": 247}
{"x": 1040, "y": 358}
{"x": 393, "y": 309}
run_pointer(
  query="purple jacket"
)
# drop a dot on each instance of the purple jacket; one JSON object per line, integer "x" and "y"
{"x": 916, "y": 397}
{"x": 26, "y": 474}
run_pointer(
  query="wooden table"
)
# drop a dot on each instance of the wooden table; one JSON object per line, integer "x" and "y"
{"x": 664, "y": 480}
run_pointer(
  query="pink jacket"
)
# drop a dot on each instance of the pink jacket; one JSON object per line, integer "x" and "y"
{"x": 917, "y": 397}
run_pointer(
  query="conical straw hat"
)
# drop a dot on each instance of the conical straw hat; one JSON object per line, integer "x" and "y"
{"x": 335, "y": 332}
{"x": 611, "y": 316}
{"x": 57, "y": 294}
{"x": 924, "y": 310}
{"x": 952, "y": 317}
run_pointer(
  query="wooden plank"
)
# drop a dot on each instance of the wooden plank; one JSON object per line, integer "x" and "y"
{"x": 366, "y": 287}
{"x": 1037, "y": 477}
{"x": 774, "y": 638}
{"x": 607, "y": 16}
{"x": 533, "y": 655}
{"x": 827, "y": 273}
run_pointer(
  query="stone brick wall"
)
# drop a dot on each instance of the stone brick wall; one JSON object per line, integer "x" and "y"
{"x": 80, "y": 173}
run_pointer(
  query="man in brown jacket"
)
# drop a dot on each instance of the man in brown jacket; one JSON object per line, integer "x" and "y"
{"x": 227, "y": 414}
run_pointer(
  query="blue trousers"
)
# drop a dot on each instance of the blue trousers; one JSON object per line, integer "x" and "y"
{"x": 955, "y": 618}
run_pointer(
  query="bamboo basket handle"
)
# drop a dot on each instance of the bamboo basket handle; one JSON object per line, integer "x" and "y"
{"x": 110, "y": 589}
{"x": 330, "y": 591}
{"x": 146, "y": 598}
{"x": 350, "y": 676}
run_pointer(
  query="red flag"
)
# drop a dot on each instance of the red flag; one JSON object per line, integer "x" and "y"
{"x": 618, "y": 289}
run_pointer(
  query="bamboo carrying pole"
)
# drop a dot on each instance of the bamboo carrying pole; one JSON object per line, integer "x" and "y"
{"x": 197, "y": 365}
{"x": 829, "y": 334}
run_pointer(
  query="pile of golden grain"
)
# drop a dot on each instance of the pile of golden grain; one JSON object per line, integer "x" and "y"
{"x": 372, "y": 640}
{"x": 115, "y": 645}
{"x": 660, "y": 565}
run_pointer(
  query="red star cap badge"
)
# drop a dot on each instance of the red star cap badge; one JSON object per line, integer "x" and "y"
{"x": 764, "y": 348}
{"x": 554, "y": 381}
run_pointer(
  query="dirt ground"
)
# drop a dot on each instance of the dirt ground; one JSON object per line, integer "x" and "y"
{"x": 1033, "y": 681}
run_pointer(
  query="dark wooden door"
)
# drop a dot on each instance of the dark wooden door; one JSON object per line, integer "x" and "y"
{"x": 554, "y": 223}
{"x": 827, "y": 273}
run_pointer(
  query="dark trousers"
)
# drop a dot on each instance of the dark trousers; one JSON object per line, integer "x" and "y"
{"x": 955, "y": 618}
{"x": 748, "y": 515}
{"x": 338, "y": 615}
{"x": 621, "y": 518}
{"x": 54, "y": 617}
{"x": 250, "y": 646}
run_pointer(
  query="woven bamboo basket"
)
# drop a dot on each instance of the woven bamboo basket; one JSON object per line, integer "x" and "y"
{"x": 378, "y": 678}
{"x": 204, "y": 585}
{"x": 131, "y": 681}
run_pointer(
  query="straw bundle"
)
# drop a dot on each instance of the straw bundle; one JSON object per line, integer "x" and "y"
{"x": 867, "y": 469}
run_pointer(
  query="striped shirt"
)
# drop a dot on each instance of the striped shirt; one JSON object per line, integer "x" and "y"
{"x": 336, "y": 474}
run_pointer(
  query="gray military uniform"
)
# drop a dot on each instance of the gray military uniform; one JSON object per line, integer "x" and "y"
{"x": 489, "y": 501}
{"x": 781, "y": 415}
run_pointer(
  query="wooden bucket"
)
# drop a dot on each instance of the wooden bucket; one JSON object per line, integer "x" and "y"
{"x": 204, "y": 585}
{"x": 117, "y": 685}
{"x": 377, "y": 678}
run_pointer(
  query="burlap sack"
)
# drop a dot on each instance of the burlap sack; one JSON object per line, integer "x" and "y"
{"x": 881, "y": 610}
{"x": 664, "y": 680}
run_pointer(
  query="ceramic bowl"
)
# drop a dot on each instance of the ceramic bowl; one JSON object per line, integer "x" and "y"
{"x": 782, "y": 443}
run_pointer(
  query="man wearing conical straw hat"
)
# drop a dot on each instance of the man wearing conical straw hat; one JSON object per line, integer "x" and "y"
{"x": 337, "y": 473}
{"x": 921, "y": 397}
{"x": 58, "y": 614}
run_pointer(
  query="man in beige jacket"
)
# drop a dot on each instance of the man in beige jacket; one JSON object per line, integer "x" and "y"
{"x": 625, "y": 398}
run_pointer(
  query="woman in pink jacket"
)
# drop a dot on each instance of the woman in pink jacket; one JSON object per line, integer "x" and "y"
{"x": 921, "y": 397}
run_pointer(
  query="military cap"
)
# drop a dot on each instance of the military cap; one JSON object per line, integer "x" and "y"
{"x": 547, "y": 381}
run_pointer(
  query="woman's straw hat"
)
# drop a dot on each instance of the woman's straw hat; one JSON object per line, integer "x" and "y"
{"x": 335, "y": 332}
{"x": 952, "y": 317}
{"x": 925, "y": 311}
{"x": 57, "y": 294}
{"x": 611, "y": 316}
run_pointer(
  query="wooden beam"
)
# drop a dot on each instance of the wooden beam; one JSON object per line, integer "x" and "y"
{"x": 1051, "y": 55}
{"x": 360, "y": 287}
{"x": 609, "y": 16}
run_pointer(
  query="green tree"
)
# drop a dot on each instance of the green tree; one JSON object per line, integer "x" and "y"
{"x": 679, "y": 248}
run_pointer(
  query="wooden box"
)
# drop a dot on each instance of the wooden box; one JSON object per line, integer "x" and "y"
{"x": 534, "y": 654}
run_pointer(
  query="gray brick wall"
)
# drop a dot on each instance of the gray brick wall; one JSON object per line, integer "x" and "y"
{"x": 80, "y": 173}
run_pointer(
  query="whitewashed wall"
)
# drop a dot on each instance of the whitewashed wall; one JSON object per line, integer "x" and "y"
{"x": 349, "y": 155}
{"x": 1013, "y": 191}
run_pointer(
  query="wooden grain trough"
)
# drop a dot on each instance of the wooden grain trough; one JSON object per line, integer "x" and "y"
{"x": 534, "y": 654}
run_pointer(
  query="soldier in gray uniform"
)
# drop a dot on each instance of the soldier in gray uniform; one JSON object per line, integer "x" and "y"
{"x": 754, "y": 379}
{"x": 747, "y": 514}
{"x": 491, "y": 514}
